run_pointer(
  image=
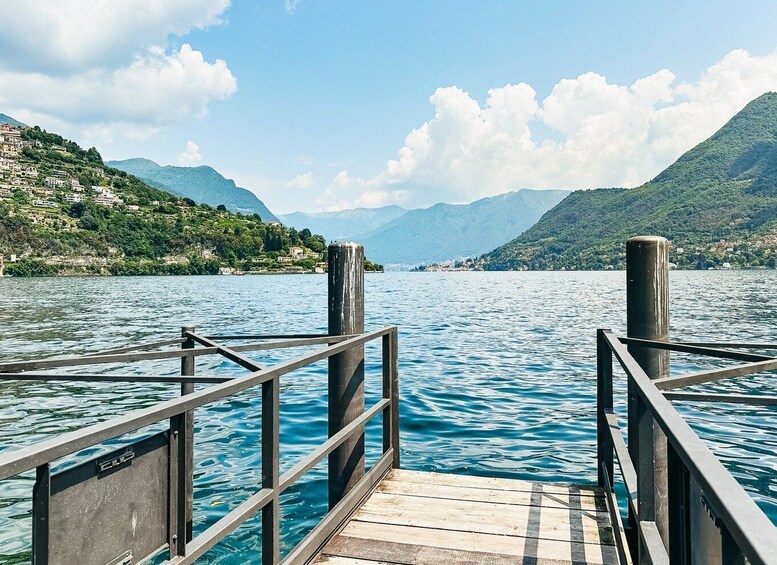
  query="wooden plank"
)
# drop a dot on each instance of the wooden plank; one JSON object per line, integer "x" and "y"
{"x": 408, "y": 554}
{"x": 416, "y": 554}
{"x": 494, "y": 483}
{"x": 524, "y": 498}
{"x": 337, "y": 560}
{"x": 505, "y": 519}
{"x": 512, "y": 546}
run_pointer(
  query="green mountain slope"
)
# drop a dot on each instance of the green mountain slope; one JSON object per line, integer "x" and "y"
{"x": 345, "y": 224}
{"x": 453, "y": 231}
{"x": 717, "y": 204}
{"x": 201, "y": 184}
{"x": 62, "y": 211}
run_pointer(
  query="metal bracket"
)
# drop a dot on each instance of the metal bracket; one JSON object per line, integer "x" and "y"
{"x": 110, "y": 464}
{"x": 710, "y": 512}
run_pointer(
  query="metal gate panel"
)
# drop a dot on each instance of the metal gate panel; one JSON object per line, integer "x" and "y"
{"x": 110, "y": 510}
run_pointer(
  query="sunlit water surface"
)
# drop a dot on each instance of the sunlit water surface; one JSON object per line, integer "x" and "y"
{"x": 497, "y": 377}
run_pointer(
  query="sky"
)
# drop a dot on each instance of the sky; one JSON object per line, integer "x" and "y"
{"x": 320, "y": 105}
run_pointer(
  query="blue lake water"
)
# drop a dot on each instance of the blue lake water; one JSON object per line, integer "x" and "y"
{"x": 497, "y": 376}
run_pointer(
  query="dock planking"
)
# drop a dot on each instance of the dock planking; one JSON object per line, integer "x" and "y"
{"x": 435, "y": 518}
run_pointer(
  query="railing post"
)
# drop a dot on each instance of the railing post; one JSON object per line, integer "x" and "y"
{"x": 271, "y": 544}
{"x": 680, "y": 516}
{"x": 603, "y": 405}
{"x": 647, "y": 306}
{"x": 187, "y": 370}
{"x": 391, "y": 391}
{"x": 346, "y": 369}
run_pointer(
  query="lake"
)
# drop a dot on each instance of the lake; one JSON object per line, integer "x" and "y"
{"x": 497, "y": 376}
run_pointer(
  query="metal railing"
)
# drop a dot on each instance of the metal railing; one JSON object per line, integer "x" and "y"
{"x": 710, "y": 517}
{"x": 183, "y": 548}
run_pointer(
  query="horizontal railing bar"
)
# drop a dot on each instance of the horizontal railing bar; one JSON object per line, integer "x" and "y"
{"x": 97, "y": 378}
{"x": 229, "y": 353}
{"x": 304, "y": 551}
{"x": 751, "y": 399}
{"x": 626, "y": 465}
{"x": 749, "y": 526}
{"x": 615, "y": 519}
{"x": 301, "y": 342}
{"x": 715, "y": 374}
{"x": 315, "y": 456}
{"x": 140, "y": 346}
{"x": 103, "y": 358}
{"x": 223, "y": 527}
{"x": 75, "y": 361}
{"x": 707, "y": 351}
{"x": 274, "y": 336}
{"x": 13, "y": 462}
{"x": 730, "y": 345}
{"x": 653, "y": 543}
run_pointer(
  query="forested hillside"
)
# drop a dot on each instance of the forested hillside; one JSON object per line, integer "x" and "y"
{"x": 717, "y": 204}
{"x": 62, "y": 211}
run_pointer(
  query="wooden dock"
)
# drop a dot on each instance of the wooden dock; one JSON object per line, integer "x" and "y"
{"x": 434, "y": 518}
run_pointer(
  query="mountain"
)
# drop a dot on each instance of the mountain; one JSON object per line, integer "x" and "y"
{"x": 454, "y": 231}
{"x": 345, "y": 224}
{"x": 10, "y": 121}
{"x": 62, "y": 211}
{"x": 201, "y": 184}
{"x": 717, "y": 204}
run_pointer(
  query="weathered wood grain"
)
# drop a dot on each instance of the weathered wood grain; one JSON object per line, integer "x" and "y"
{"x": 475, "y": 481}
{"x": 435, "y": 518}
{"x": 546, "y": 499}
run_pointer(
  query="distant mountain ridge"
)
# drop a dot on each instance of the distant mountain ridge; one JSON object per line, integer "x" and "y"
{"x": 4, "y": 119}
{"x": 455, "y": 231}
{"x": 344, "y": 224}
{"x": 717, "y": 204}
{"x": 202, "y": 184}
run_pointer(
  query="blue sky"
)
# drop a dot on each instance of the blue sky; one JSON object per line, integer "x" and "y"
{"x": 311, "y": 100}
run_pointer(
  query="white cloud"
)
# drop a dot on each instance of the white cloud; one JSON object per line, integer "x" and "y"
{"x": 609, "y": 134}
{"x": 347, "y": 192}
{"x": 190, "y": 156}
{"x": 303, "y": 181}
{"x": 102, "y": 73}
{"x": 291, "y": 6}
{"x": 156, "y": 88}
{"x": 62, "y": 36}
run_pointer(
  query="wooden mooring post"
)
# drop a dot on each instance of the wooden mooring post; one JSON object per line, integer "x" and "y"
{"x": 346, "y": 369}
{"x": 647, "y": 307}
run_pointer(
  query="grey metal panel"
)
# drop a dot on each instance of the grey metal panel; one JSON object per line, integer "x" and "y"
{"x": 95, "y": 517}
{"x": 705, "y": 536}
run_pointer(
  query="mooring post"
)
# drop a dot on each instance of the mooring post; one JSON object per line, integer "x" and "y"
{"x": 647, "y": 305}
{"x": 187, "y": 370}
{"x": 346, "y": 369}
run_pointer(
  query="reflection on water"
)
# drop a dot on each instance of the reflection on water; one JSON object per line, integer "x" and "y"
{"x": 497, "y": 376}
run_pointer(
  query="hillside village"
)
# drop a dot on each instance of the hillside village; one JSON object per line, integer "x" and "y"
{"x": 62, "y": 211}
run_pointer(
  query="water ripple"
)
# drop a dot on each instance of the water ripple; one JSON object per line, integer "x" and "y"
{"x": 497, "y": 377}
